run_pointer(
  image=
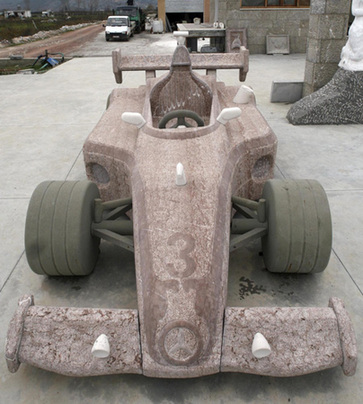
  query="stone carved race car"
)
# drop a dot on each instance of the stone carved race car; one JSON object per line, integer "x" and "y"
{"x": 180, "y": 172}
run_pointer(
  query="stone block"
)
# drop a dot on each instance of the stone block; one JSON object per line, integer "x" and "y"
{"x": 235, "y": 38}
{"x": 304, "y": 24}
{"x": 338, "y": 7}
{"x": 330, "y": 50}
{"x": 277, "y": 44}
{"x": 334, "y": 26}
{"x": 313, "y": 51}
{"x": 286, "y": 91}
{"x": 327, "y": 26}
{"x": 318, "y": 6}
{"x": 314, "y": 26}
{"x": 323, "y": 73}
{"x": 307, "y": 89}
{"x": 309, "y": 73}
{"x": 319, "y": 74}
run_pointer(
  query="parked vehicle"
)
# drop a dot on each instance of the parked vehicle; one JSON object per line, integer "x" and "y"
{"x": 135, "y": 13}
{"x": 119, "y": 27}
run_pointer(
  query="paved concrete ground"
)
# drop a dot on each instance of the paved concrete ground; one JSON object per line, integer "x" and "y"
{"x": 44, "y": 122}
{"x": 139, "y": 44}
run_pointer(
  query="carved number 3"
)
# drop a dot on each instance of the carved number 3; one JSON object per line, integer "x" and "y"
{"x": 190, "y": 265}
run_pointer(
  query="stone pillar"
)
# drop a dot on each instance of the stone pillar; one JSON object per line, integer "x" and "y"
{"x": 340, "y": 100}
{"x": 328, "y": 26}
{"x": 161, "y": 12}
{"x": 206, "y": 16}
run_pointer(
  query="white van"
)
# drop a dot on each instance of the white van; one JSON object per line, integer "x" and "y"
{"x": 119, "y": 27}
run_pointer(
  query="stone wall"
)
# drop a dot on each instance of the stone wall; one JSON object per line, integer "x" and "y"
{"x": 177, "y": 6}
{"x": 261, "y": 22}
{"x": 326, "y": 38}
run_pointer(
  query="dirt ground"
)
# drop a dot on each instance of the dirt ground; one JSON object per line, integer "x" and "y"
{"x": 65, "y": 43}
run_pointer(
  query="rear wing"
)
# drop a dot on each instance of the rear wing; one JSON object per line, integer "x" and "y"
{"x": 209, "y": 61}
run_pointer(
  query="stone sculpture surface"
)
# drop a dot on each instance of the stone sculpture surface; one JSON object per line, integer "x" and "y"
{"x": 180, "y": 156}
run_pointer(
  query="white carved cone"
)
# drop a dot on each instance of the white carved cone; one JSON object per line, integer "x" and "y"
{"x": 101, "y": 347}
{"x": 245, "y": 95}
{"x": 180, "y": 175}
{"x": 260, "y": 347}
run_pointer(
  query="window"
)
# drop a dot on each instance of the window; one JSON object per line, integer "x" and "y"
{"x": 275, "y": 3}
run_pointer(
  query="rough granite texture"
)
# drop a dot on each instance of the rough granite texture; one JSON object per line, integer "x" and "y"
{"x": 347, "y": 336}
{"x": 235, "y": 38}
{"x": 15, "y": 333}
{"x": 60, "y": 339}
{"x": 338, "y": 102}
{"x": 181, "y": 240}
{"x": 302, "y": 340}
{"x": 181, "y": 234}
{"x": 168, "y": 95}
{"x": 210, "y": 62}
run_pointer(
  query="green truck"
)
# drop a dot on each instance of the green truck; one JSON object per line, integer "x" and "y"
{"x": 135, "y": 13}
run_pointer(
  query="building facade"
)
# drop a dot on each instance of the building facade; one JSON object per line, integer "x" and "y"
{"x": 266, "y": 17}
{"x": 260, "y": 17}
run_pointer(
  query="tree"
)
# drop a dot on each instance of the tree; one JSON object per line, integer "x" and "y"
{"x": 80, "y": 4}
{"x": 65, "y": 5}
{"x": 93, "y": 5}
